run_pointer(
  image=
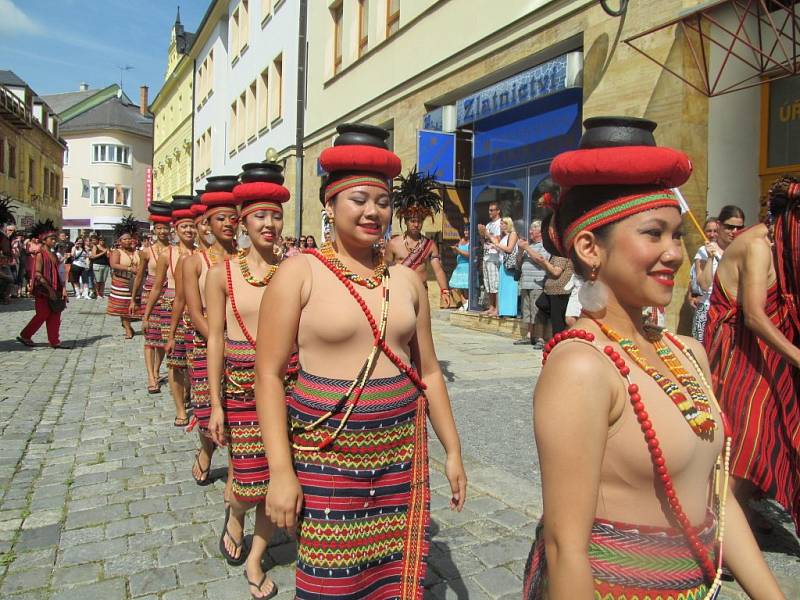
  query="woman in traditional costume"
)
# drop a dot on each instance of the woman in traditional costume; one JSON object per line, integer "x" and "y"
{"x": 357, "y": 434}
{"x": 234, "y": 290}
{"x": 124, "y": 262}
{"x": 49, "y": 292}
{"x": 634, "y": 463}
{"x": 161, "y": 217}
{"x": 183, "y": 223}
{"x": 752, "y": 337}
{"x": 221, "y": 216}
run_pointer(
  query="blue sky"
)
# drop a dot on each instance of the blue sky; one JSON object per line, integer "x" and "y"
{"x": 55, "y": 45}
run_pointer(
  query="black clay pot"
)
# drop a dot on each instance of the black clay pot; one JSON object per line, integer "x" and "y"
{"x": 182, "y": 202}
{"x": 361, "y": 134}
{"x": 160, "y": 208}
{"x": 221, "y": 183}
{"x": 262, "y": 171}
{"x": 198, "y": 193}
{"x": 604, "y": 132}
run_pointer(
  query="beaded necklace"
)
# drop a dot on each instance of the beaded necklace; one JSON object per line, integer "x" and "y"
{"x": 248, "y": 277}
{"x": 234, "y": 308}
{"x": 696, "y": 411}
{"x": 329, "y": 253}
{"x": 351, "y": 396}
{"x": 712, "y": 572}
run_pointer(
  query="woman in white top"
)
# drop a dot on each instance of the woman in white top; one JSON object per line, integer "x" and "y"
{"x": 80, "y": 266}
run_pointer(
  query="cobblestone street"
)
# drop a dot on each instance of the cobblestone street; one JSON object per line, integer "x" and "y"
{"x": 98, "y": 499}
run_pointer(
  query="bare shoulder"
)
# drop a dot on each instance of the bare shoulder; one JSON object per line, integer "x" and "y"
{"x": 579, "y": 372}
{"x": 295, "y": 267}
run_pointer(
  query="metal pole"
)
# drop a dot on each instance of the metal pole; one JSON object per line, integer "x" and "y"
{"x": 300, "y": 118}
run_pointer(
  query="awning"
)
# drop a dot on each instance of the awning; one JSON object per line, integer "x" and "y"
{"x": 734, "y": 44}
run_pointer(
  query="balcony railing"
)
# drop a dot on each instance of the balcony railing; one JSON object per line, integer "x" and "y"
{"x": 14, "y": 110}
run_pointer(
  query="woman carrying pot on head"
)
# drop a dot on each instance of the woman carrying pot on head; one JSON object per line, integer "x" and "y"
{"x": 369, "y": 374}
{"x": 183, "y": 223}
{"x": 124, "y": 262}
{"x": 634, "y": 463}
{"x": 234, "y": 290}
{"x": 221, "y": 217}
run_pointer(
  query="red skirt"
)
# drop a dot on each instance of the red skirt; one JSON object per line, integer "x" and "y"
{"x": 758, "y": 390}
{"x": 152, "y": 331}
{"x": 119, "y": 298}
{"x": 198, "y": 376}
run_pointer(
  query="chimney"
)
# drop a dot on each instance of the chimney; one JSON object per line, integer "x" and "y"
{"x": 143, "y": 100}
{"x": 84, "y": 87}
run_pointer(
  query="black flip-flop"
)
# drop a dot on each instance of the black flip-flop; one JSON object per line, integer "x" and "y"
{"x": 154, "y": 390}
{"x": 25, "y": 342}
{"x": 272, "y": 594}
{"x": 181, "y": 422}
{"x": 207, "y": 472}
{"x": 242, "y": 546}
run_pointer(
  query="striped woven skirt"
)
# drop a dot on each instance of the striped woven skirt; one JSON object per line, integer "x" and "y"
{"x": 152, "y": 331}
{"x": 119, "y": 298}
{"x": 198, "y": 377}
{"x": 177, "y": 358}
{"x": 250, "y": 467}
{"x": 162, "y": 313}
{"x": 365, "y": 526}
{"x": 632, "y": 562}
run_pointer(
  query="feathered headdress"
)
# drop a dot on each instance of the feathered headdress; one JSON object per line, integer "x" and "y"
{"x": 41, "y": 229}
{"x": 416, "y": 194}
{"x": 126, "y": 225}
{"x": 6, "y": 212}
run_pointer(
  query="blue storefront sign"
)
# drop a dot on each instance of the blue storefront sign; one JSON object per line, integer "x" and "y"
{"x": 540, "y": 81}
{"x": 433, "y": 120}
{"x": 436, "y": 155}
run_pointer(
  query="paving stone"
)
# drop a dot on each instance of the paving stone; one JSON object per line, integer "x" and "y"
{"x": 201, "y": 571}
{"x": 129, "y": 563}
{"x": 85, "y": 573}
{"x": 110, "y": 589}
{"x": 498, "y": 581}
{"x": 42, "y": 518}
{"x": 96, "y": 516}
{"x": 125, "y": 527}
{"x": 502, "y": 551}
{"x": 92, "y": 551}
{"x": 21, "y": 581}
{"x": 147, "y": 507}
{"x": 74, "y": 537}
{"x": 153, "y": 581}
{"x": 179, "y": 553}
{"x": 44, "y": 557}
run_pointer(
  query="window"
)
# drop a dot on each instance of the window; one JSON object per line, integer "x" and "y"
{"x": 111, "y": 195}
{"x": 392, "y": 17}
{"x": 234, "y": 29}
{"x": 66, "y": 156}
{"x": 111, "y": 153}
{"x": 277, "y": 87}
{"x": 363, "y": 26}
{"x": 65, "y": 199}
{"x": 241, "y": 110}
{"x": 338, "y": 36}
{"x": 262, "y": 98}
{"x": 244, "y": 25}
{"x": 233, "y": 128}
{"x": 31, "y": 167}
{"x": 266, "y": 8}
{"x": 252, "y": 129}
{"x": 2, "y": 155}
{"x": 53, "y": 183}
{"x": 46, "y": 181}
{"x": 210, "y": 73}
{"x": 12, "y": 160}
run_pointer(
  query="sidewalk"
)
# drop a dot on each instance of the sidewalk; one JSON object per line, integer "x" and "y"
{"x": 98, "y": 499}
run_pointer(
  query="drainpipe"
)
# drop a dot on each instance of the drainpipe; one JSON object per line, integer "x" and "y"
{"x": 300, "y": 117}
{"x": 191, "y": 141}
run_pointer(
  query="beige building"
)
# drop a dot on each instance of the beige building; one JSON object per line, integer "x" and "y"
{"x": 108, "y": 159}
{"x": 172, "y": 113}
{"x": 31, "y": 153}
{"x": 487, "y": 96}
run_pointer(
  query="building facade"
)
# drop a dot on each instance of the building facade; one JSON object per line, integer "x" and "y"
{"x": 31, "y": 153}
{"x": 108, "y": 159}
{"x": 245, "y": 56}
{"x": 486, "y": 98}
{"x": 172, "y": 119}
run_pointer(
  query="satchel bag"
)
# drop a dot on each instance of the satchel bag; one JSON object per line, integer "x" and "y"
{"x": 511, "y": 259}
{"x": 57, "y": 304}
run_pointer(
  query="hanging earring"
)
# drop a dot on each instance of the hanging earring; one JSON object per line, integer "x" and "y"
{"x": 593, "y": 294}
{"x": 243, "y": 240}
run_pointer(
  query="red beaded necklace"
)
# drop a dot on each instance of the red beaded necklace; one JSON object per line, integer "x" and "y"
{"x": 232, "y": 297}
{"x": 351, "y": 396}
{"x": 712, "y": 572}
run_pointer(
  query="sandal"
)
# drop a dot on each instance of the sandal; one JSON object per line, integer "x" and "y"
{"x": 25, "y": 342}
{"x": 204, "y": 473}
{"x": 154, "y": 390}
{"x": 243, "y": 548}
{"x": 272, "y": 594}
{"x": 181, "y": 421}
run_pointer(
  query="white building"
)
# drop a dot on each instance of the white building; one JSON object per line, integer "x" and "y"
{"x": 109, "y": 151}
{"x": 245, "y": 87}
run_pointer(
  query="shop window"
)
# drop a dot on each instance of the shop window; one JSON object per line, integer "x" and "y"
{"x": 2, "y": 155}
{"x": 337, "y": 13}
{"x": 65, "y": 198}
{"x": 363, "y": 26}
{"x": 277, "y": 88}
{"x": 12, "y": 160}
{"x": 392, "y": 17}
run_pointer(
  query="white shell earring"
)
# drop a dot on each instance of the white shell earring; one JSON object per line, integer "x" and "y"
{"x": 593, "y": 294}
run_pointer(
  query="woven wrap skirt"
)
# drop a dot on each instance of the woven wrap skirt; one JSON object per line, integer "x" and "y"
{"x": 198, "y": 377}
{"x": 119, "y": 298}
{"x": 177, "y": 358}
{"x": 250, "y": 467}
{"x": 632, "y": 562}
{"x": 162, "y": 313}
{"x": 152, "y": 331}
{"x": 365, "y": 527}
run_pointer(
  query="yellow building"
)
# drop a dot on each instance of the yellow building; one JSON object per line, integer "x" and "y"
{"x": 31, "y": 153}
{"x": 172, "y": 107}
